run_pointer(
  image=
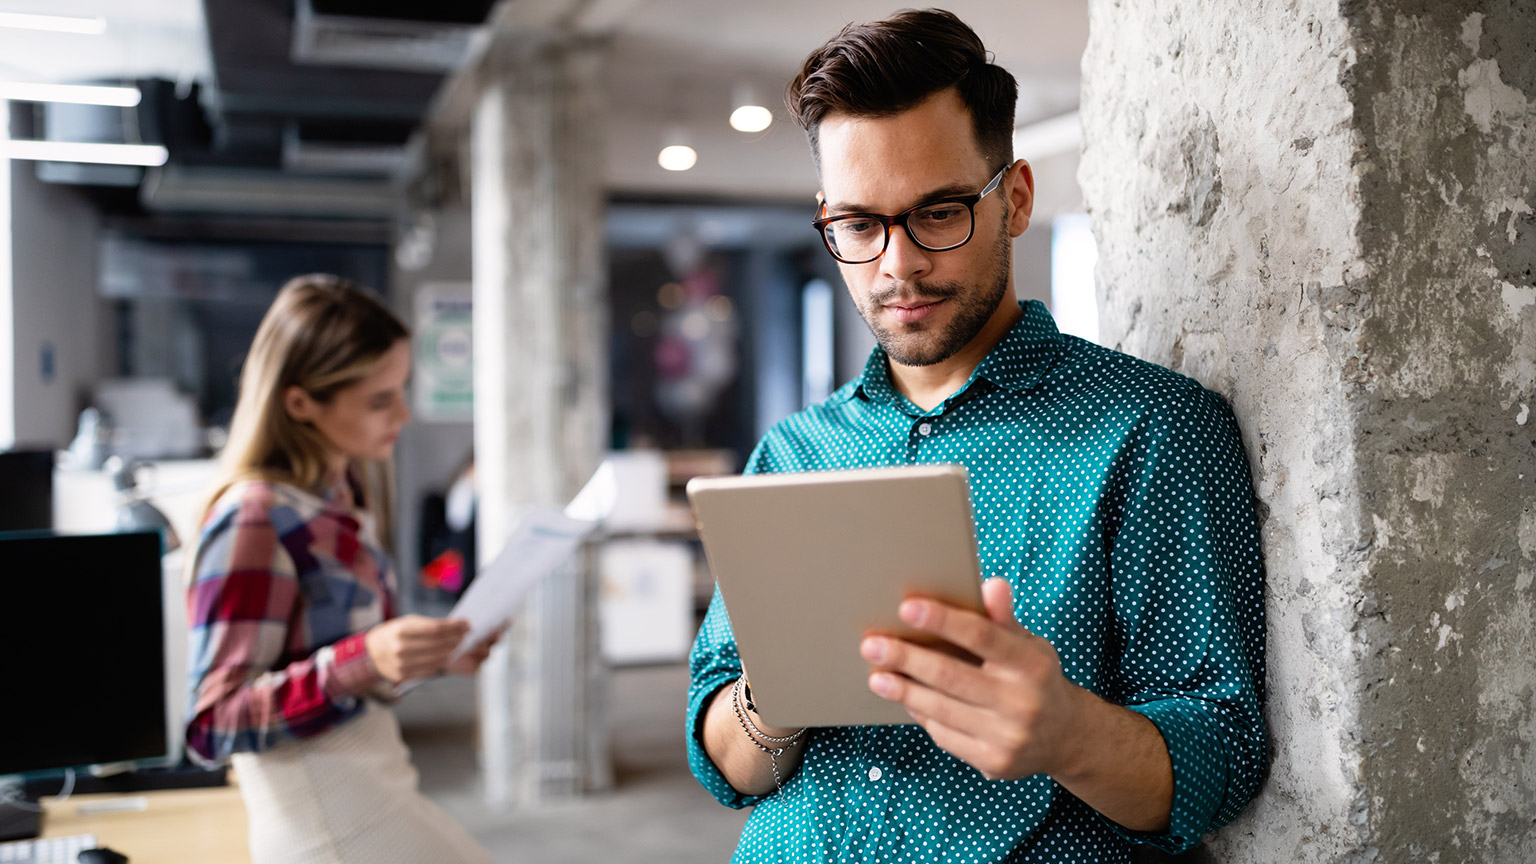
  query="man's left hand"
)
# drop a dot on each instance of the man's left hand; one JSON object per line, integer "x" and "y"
{"x": 1011, "y": 715}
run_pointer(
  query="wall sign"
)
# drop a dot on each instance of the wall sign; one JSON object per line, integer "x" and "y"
{"x": 444, "y": 381}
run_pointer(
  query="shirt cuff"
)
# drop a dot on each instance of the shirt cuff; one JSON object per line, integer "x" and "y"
{"x": 1201, "y": 760}
{"x": 352, "y": 671}
{"x": 703, "y": 767}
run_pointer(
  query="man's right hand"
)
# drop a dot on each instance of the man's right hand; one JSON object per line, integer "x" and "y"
{"x": 413, "y": 646}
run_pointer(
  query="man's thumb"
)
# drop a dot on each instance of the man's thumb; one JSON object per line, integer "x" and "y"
{"x": 997, "y": 596}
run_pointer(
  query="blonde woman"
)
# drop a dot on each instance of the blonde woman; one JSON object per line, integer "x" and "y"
{"x": 294, "y": 640}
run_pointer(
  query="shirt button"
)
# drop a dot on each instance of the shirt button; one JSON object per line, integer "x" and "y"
{"x": 924, "y": 429}
{"x": 875, "y": 774}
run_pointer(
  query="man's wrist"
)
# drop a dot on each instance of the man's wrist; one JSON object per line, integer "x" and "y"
{"x": 1080, "y": 725}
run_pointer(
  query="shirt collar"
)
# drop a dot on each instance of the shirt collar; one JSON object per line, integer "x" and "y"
{"x": 1027, "y": 351}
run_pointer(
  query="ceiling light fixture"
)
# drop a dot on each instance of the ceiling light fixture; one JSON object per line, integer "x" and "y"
{"x": 676, "y": 154}
{"x": 78, "y": 94}
{"x": 748, "y": 114}
{"x": 148, "y": 155}
{"x": 54, "y": 23}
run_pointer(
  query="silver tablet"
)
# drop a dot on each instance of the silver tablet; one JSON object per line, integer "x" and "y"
{"x": 808, "y": 564}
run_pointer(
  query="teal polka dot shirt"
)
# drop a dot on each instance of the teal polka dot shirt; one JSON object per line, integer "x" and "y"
{"x": 1114, "y": 495}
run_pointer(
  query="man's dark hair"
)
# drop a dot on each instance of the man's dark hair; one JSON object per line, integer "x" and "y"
{"x": 886, "y": 67}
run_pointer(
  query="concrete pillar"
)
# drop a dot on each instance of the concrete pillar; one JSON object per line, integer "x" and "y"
{"x": 541, "y": 418}
{"x": 1324, "y": 211}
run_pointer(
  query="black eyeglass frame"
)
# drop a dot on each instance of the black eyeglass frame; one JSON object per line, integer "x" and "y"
{"x": 890, "y": 222}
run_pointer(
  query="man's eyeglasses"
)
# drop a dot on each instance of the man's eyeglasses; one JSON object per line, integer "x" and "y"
{"x": 938, "y": 226}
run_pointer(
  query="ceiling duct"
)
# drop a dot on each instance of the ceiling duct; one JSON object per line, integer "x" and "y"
{"x": 184, "y": 189}
{"x": 304, "y": 154}
{"x": 417, "y": 37}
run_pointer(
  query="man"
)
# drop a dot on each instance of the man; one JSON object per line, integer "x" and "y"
{"x": 1116, "y": 700}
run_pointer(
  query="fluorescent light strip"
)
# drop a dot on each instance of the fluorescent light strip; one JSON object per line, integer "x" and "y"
{"x": 79, "y": 94}
{"x": 150, "y": 155}
{"x": 1063, "y": 134}
{"x": 53, "y": 23}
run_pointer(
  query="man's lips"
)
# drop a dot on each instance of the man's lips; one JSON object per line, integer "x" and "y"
{"x": 911, "y": 311}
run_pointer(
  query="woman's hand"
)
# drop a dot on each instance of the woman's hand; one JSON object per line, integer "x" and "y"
{"x": 469, "y": 662}
{"x": 413, "y": 646}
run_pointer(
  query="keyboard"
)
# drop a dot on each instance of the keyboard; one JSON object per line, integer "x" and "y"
{"x": 51, "y": 850}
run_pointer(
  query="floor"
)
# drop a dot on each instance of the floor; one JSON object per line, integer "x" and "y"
{"x": 656, "y": 811}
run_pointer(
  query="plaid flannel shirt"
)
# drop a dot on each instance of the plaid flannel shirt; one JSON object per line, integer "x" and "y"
{"x": 285, "y": 585}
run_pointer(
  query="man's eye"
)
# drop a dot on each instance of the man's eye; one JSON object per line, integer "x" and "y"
{"x": 855, "y": 227}
{"x": 941, "y": 215}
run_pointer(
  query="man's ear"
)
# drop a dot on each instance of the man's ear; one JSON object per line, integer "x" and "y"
{"x": 301, "y": 407}
{"x": 1020, "y": 182}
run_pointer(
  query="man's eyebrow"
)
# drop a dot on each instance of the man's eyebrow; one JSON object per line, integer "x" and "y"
{"x": 952, "y": 190}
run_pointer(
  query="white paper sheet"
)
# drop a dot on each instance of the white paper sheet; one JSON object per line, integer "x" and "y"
{"x": 541, "y": 541}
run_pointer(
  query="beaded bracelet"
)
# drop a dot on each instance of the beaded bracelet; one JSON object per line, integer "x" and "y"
{"x": 754, "y": 733}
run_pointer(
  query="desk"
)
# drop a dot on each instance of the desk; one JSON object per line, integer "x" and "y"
{"x": 180, "y": 826}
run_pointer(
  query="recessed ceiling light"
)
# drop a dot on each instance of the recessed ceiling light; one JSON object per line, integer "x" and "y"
{"x": 676, "y": 154}
{"x": 54, "y": 23}
{"x": 751, "y": 118}
{"x": 748, "y": 113}
{"x": 677, "y": 157}
{"x": 81, "y": 94}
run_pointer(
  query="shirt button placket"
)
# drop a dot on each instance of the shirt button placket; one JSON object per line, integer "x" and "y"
{"x": 920, "y": 434}
{"x": 878, "y": 794}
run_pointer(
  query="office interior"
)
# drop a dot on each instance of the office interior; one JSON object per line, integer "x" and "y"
{"x": 146, "y": 225}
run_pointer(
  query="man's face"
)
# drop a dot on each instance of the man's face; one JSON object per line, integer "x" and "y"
{"x": 923, "y": 306}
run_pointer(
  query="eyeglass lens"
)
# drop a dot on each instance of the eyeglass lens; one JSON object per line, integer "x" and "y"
{"x": 935, "y": 227}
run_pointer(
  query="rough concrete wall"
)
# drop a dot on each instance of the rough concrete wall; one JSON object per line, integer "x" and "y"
{"x": 1445, "y": 96}
{"x": 1290, "y": 199}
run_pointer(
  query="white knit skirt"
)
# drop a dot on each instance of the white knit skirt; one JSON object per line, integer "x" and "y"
{"x": 347, "y": 796}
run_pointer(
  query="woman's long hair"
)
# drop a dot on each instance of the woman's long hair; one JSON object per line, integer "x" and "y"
{"x": 322, "y": 333}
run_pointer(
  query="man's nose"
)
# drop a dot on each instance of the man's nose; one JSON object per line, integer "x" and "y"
{"x": 904, "y": 260}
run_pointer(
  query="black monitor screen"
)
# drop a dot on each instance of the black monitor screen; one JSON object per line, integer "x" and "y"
{"x": 26, "y": 490}
{"x": 82, "y": 652}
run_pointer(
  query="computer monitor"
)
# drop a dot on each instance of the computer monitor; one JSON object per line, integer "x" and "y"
{"x": 83, "y": 653}
{"x": 27, "y": 478}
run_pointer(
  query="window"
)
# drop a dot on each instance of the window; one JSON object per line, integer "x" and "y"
{"x": 1073, "y": 256}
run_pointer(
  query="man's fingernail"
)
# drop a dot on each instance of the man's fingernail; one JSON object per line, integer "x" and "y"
{"x": 873, "y": 650}
{"x": 882, "y": 683}
{"x": 913, "y": 612}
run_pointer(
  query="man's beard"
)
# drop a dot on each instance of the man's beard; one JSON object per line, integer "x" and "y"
{"x": 918, "y": 344}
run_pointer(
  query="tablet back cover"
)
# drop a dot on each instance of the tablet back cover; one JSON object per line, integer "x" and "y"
{"x": 809, "y": 563}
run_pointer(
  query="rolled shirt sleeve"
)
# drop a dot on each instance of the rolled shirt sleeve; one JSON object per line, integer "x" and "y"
{"x": 1186, "y": 576}
{"x": 713, "y": 664}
